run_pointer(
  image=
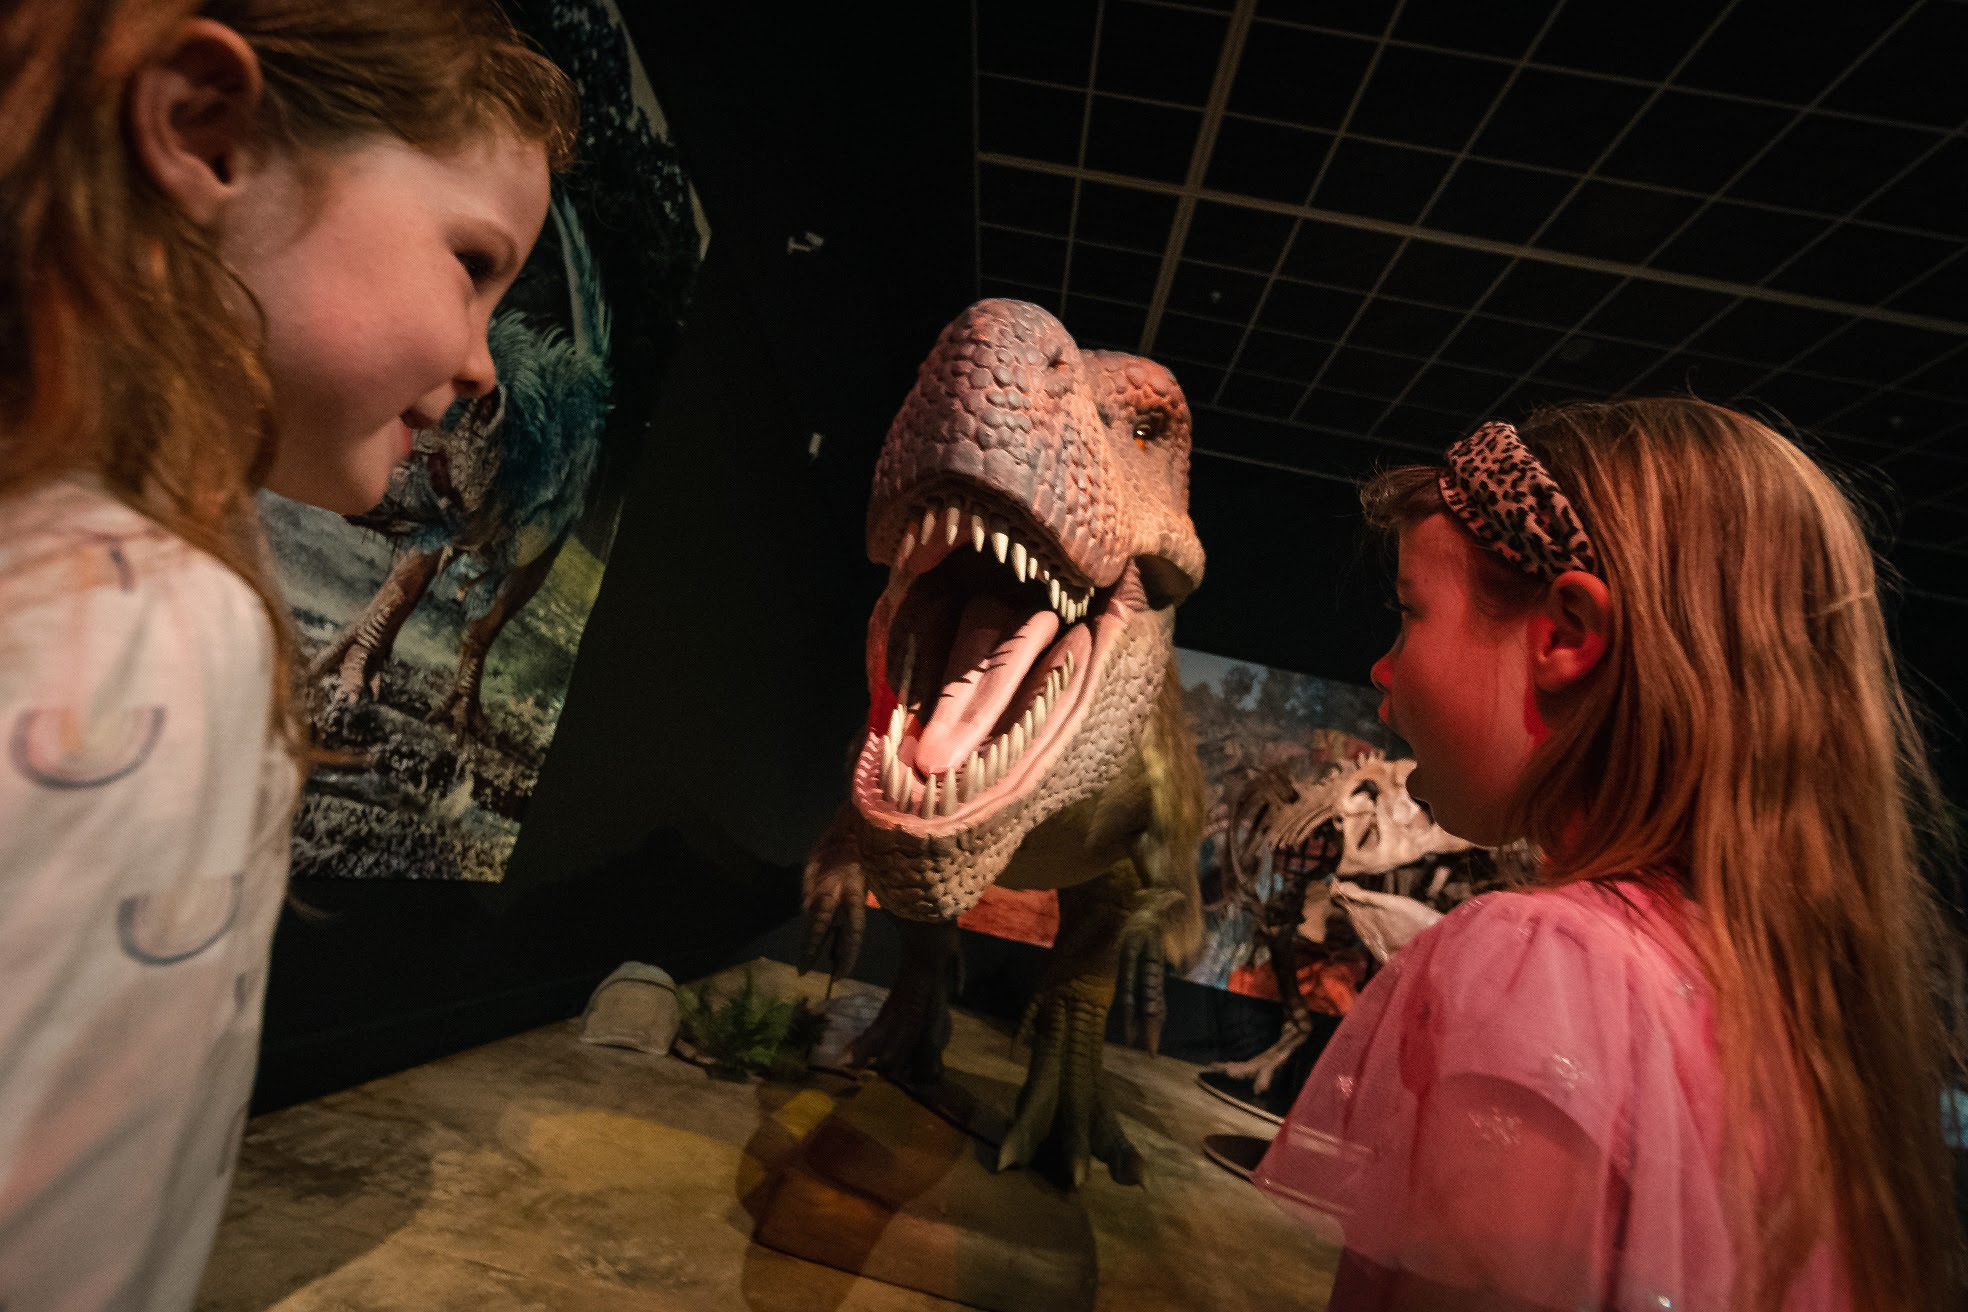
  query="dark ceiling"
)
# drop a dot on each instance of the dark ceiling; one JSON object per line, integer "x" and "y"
{"x": 1355, "y": 227}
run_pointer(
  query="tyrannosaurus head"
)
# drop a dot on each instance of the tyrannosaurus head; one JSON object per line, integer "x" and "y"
{"x": 1031, "y": 503}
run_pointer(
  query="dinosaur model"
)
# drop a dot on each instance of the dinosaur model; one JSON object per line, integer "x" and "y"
{"x": 1025, "y": 725}
{"x": 1354, "y": 821}
{"x": 492, "y": 492}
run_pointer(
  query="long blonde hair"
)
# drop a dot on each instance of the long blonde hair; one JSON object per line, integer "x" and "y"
{"x": 127, "y": 349}
{"x": 1748, "y": 732}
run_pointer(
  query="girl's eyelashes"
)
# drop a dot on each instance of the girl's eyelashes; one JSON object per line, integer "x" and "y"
{"x": 1396, "y": 605}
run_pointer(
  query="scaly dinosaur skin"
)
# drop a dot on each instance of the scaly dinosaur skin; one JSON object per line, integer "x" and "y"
{"x": 1025, "y": 725}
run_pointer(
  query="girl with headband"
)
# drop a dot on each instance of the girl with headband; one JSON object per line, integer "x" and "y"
{"x": 1699, "y": 1063}
{"x": 243, "y": 244}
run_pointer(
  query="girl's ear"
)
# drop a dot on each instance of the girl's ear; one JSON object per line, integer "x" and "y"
{"x": 1568, "y": 634}
{"x": 191, "y": 114}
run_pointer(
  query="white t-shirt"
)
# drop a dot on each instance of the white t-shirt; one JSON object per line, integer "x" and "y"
{"x": 144, "y": 808}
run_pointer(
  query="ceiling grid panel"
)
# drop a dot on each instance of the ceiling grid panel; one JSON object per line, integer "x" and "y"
{"x": 1393, "y": 218}
{"x": 1296, "y": 224}
{"x": 1448, "y": 174}
{"x": 1086, "y": 125}
{"x": 1654, "y": 93}
{"x": 1228, "y": 58}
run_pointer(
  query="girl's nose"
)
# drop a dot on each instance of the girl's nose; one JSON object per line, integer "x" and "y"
{"x": 477, "y": 375}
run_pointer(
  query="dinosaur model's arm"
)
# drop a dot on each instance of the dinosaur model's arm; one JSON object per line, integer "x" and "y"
{"x": 834, "y": 898}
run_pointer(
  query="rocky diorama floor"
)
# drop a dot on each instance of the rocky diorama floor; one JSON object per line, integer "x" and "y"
{"x": 542, "y": 1173}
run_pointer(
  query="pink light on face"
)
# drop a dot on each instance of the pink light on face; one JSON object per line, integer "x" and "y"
{"x": 378, "y": 278}
{"x": 1457, "y": 686}
{"x": 1533, "y": 722}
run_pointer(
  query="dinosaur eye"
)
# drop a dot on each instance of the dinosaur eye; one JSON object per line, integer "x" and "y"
{"x": 1147, "y": 428}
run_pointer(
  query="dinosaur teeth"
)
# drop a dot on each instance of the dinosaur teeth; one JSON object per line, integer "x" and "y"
{"x": 1018, "y": 560}
{"x": 977, "y": 531}
{"x": 1000, "y": 539}
{"x": 949, "y": 806}
{"x": 952, "y": 523}
{"x": 908, "y": 671}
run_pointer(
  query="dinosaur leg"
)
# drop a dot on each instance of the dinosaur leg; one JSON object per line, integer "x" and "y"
{"x": 462, "y": 709}
{"x": 907, "y": 1039}
{"x": 357, "y": 655}
{"x": 1063, "y": 1116}
{"x": 1263, "y": 1068}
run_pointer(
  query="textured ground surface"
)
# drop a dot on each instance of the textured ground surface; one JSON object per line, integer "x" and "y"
{"x": 544, "y": 1173}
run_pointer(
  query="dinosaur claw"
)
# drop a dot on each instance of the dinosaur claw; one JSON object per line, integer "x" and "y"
{"x": 1064, "y": 1120}
{"x": 1142, "y": 1000}
{"x": 833, "y": 898}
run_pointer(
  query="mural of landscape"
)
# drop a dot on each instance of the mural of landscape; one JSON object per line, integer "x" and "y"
{"x": 440, "y": 628}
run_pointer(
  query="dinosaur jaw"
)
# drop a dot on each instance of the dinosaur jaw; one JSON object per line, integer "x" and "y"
{"x": 983, "y": 656}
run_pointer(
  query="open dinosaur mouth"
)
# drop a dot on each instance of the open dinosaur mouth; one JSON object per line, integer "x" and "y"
{"x": 979, "y": 655}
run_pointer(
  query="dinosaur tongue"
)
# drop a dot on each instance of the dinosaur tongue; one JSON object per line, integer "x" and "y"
{"x": 995, "y": 646}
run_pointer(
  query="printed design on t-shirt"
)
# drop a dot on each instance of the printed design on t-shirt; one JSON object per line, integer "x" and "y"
{"x": 126, "y": 573}
{"x": 177, "y": 923}
{"x": 126, "y": 577}
{"x": 56, "y": 749}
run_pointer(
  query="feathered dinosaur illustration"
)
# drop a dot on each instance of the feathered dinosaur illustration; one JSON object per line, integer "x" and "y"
{"x": 1025, "y": 724}
{"x": 492, "y": 493}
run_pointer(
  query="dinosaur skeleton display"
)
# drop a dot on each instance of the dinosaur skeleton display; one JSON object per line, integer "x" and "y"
{"x": 1343, "y": 856}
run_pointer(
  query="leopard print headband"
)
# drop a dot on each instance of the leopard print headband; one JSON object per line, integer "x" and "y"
{"x": 1509, "y": 503}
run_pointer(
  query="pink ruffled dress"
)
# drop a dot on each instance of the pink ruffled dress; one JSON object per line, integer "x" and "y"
{"x": 1526, "y": 1101}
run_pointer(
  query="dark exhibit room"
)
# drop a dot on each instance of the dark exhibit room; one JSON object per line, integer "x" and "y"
{"x": 1121, "y": 654}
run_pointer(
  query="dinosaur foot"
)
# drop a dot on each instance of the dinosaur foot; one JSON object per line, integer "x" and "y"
{"x": 1263, "y": 1068}
{"x": 462, "y": 712}
{"x": 1064, "y": 1121}
{"x": 906, "y": 1041}
{"x": 354, "y": 670}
